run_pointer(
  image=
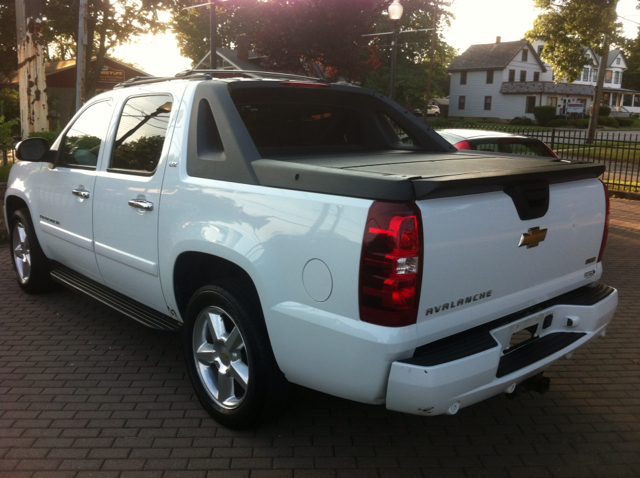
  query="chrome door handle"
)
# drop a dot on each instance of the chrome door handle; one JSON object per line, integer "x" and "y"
{"x": 81, "y": 193}
{"x": 141, "y": 204}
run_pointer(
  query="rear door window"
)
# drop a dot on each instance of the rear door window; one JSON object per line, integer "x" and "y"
{"x": 141, "y": 133}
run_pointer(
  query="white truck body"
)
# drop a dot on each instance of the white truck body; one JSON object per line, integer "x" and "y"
{"x": 301, "y": 247}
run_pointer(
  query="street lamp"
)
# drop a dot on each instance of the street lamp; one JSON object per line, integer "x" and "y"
{"x": 395, "y": 13}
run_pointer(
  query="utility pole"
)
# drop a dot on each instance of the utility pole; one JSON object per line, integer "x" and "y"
{"x": 434, "y": 36}
{"x": 81, "y": 55}
{"x": 32, "y": 77}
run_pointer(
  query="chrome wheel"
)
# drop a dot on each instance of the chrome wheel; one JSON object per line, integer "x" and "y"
{"x": 21, "y": 252}
{"x": 220, "y": 356}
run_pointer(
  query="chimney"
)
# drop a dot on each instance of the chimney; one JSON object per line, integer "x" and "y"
{"x": 242, "y": 47}
{"x": 498, "y": 39}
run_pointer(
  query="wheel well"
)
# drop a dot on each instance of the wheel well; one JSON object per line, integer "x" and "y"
{"x": 195, "y": 269}
{"x": 13, "y": 203}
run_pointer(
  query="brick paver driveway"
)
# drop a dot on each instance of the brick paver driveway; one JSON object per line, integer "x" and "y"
{"x": 85, "y": 392}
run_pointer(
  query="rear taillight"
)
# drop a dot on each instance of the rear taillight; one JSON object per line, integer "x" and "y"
{"x": 605, "y": 234}
{"x": 463, "y": 145}
{"x": 390, "y": 265}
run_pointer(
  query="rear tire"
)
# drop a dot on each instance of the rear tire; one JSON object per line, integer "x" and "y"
{"x": 30, "y": 264}
{"x": 229, "y": 357}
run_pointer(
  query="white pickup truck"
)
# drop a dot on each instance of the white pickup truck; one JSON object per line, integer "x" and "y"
{"x": 286, "y": 228}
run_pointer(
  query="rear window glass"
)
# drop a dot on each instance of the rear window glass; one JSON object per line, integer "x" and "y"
{"x": 295, "y": 125}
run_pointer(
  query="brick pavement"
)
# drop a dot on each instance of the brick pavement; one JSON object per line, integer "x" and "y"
{"x": 85, "y": 392}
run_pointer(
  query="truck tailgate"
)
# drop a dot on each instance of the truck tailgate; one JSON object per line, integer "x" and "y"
{"x": 483, "y": 261}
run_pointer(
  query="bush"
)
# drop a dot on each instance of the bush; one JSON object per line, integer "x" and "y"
{"x": 521, "y": 121}
{"x": 608, "y": 121}
{"x": 555, "y": 123}
{"x": 544, "y": 114}
{"x": 4, "y": 172}
{"x": 625, "y": 121}
{"x": 604, "y": 110}
{"x": 580, "y": 123}
{"x": 50, "y": 136}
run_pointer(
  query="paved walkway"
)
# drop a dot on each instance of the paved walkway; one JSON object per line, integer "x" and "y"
{"x": 85, "y": 392}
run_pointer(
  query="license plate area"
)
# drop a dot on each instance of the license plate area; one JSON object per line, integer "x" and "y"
{"x": 520, "y": 334}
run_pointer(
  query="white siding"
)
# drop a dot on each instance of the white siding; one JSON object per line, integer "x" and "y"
{"x": 475, "y": 90}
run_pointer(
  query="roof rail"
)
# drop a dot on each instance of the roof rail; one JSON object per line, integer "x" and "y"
{"x": 253, "y": 73}
{"x": 141, "y": 80}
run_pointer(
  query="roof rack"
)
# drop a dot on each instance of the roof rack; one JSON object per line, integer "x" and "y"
{"x": 254, "y": 73}
{"x": 141, "y": 80}
{"x": 209, "y": 74}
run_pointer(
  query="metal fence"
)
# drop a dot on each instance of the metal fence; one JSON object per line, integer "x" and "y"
{"x": 618, "y": 151}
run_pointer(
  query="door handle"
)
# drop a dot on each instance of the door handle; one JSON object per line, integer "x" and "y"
{"x": 81, "y": 193}
{"x": 141, "y": 204}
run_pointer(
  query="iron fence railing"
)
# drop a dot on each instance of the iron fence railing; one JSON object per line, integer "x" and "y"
{"x": 618, "y": 151}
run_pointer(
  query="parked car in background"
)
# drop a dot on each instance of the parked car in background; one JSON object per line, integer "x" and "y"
{"x": 496, "y": 142}
{"x": 433, "y": 110}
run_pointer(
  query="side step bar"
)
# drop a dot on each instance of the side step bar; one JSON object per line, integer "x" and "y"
{"x": 129, "y": 307}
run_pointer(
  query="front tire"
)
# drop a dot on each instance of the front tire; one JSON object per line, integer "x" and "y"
{"x": 229, "y": 358}
{"x": 29, "y": 262}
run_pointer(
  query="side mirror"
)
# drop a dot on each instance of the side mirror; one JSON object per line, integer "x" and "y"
{"x": 32, "y": 149}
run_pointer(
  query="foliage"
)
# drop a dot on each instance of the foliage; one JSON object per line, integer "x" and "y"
{"x": 604, "y": 110}
{"x": 413, "y": 54}
{"x": 582, "y": 123}
{"x": 8, "y": 44}
{"x": 625, "y": 122}
{"x": 139, "y": 155}
{"x": 521, "y": 121}
{"x": 6, "y": 136}
{"x": 558, "y": 122}
{"x": 110, "y": 23}
{"x": 567, "y": 26}
{"x": 50, "y": 136}
{"x": 4, "y": 171}
{"x": 10, "y": 106}
{"x": 192, "y": 27}
{"x": 544, "y": 114}
{"x": 608, "y": 121}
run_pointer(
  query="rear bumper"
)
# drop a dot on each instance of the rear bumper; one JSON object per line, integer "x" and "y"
{"x": 466, "y": 368}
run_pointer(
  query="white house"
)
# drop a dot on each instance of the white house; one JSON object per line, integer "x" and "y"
{"x": 507, "y": 79}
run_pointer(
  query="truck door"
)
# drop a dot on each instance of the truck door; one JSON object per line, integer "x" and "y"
{"x": 66, "y": 195}
{"x": 127, "y": 200}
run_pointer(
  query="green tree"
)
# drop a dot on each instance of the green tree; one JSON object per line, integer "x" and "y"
{"x": 413, "y": 54}
{"x": 8, "y": 42}
{"x": 631, "y": 77}
{"x": 569, "y": 25}
{"x": 109, "y": 23}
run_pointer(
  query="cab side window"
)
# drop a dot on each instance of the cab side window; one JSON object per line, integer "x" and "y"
{"x": 81, "y": 144}
{"x": 141, "y": 133}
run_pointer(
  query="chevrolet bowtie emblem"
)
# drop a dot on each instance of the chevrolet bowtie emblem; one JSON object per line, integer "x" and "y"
{"x": 532, "y": 238}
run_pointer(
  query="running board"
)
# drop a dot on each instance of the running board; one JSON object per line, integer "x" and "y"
{"x": 123, "y": 304}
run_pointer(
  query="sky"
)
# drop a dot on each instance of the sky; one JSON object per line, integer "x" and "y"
{"x": 477, "y": 22}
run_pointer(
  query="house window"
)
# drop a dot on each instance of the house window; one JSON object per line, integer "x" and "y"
{"x": 552, "y": 101}
{"x": 531, "y": 103}
{"x": 536, "y": 76}
{"x": 585, "y": 74}
{"x": 608, "y": 75}
{"x": 594, "y": 74}
{"x": 487, "y": 102}
{"x": 617, "y": 61}
{"x": 461, "y": 102}
{"x": 616, "y": 77}
{"x": 489, "y": 77}
{"x": 540, "y": 48}
{"x": 512, "y": 76}
{"x": 525, "y": 54}
{"x": 523, "y": 75}
{"x": 463, "y": 77}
